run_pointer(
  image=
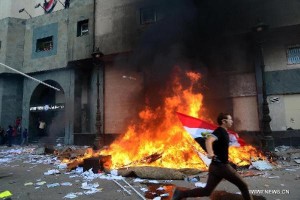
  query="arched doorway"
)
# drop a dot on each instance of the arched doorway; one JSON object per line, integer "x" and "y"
{"x": 47, "y": 105}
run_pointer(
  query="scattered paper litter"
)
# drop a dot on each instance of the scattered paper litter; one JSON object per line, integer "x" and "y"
{"x": 29, "y": 183}
{"x": 92, "y": 191}
{"x": 62, "y": 166}
{"x": 144, "y": 189}
{"x": 66, "y": 184}
{"x": 41, "y": 183}
{"x": 282, "y": 148}
{"x": 114, "y": 172}
{"x": 73, "y": 176}
{"x": 292, "y": 170}
{"x": 52, "y": 171}
{"x": 52, "y": 185}
{"x": 153, "y": 181}
{"x": 79, "y": 170}
{"x": 200, "y": 184}
{"x": 71, "y": 196}
{"x": 5, "y": 160}
{"x": 297, "y": 161}
{"x": 87, "y": 186}
{"x": 138, "y": 180}
{"x": 160, "y": 188}
{"x": 91, "y": 188}
{"x": 261, "y": 165}
{"x": 273, "y": 177}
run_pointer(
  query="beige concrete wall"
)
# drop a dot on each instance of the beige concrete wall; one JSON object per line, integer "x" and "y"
{"x": 243, "y": 92}
{"x": 285, "y": 112}
{"x": 121, "y": 96}
{"x": 277, "y": 112}
{"x": 245, "y": 113}
{"x": 292, "y": 109}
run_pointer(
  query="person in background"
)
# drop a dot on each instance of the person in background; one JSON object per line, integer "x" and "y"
{"x": 18, "y": 124}
{"x": 24, "y": 137}
{"x": 9, "y": 135}
{"x": 2, "y": 136}
{"x": 42, "y": 126}
{"x": 217, "y": 145}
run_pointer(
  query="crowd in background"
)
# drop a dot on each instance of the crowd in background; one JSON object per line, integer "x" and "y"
{"x": 14, "y": 134}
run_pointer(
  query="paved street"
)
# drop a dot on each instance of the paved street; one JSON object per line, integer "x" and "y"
{"x": 25, "y": 176}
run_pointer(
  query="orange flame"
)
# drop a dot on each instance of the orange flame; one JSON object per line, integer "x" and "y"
{"x": 159, "y": 139}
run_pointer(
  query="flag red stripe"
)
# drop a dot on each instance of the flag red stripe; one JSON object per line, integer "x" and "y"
{"x": 192, "y": 122}
{"x": 49, "y": 5}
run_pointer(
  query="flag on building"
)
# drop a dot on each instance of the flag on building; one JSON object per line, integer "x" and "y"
{"x": 199, "y": 128}
{"x": 49, "y": 5}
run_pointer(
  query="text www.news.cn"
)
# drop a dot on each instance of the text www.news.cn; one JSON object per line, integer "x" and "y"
{"x": 284, "y": 191}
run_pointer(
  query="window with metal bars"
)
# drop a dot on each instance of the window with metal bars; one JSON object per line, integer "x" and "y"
{"x": 293, "y": 54}
{"x": 44, "y": 44}
{"x": 83, "y": 28}
{"x": 147, "y": 15}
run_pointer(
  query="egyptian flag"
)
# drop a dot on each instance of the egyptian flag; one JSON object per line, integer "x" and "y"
{"x": 200, "y": 130}
{"x": 49, "y": 5}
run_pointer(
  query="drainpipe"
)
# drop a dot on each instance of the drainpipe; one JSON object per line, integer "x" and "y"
{"x": 94, "y": 26}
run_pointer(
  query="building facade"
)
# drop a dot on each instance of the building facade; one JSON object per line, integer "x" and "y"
{"x": 54, "y": 48}
{"x": 141, "y": 41}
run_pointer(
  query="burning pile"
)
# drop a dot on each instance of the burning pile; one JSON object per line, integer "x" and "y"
{"x": 158, "y": 138}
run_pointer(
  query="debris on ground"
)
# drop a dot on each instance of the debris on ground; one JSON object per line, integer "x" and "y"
{"x": 5, "y": 194}
{"x": 261, "y": 165}
{"x": 85, "y": 178}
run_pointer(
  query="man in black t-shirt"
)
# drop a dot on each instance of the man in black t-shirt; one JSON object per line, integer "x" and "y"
{"x": 217, "y": 145}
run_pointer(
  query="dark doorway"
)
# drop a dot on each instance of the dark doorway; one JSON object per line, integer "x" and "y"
{"x": 47, "y": 105}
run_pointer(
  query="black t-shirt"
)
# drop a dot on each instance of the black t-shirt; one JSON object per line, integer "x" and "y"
{"x": 221, "y": 145}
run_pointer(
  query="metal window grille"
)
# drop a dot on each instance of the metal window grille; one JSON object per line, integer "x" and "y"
{"x": 44, "y": 44}
{"x": 147, "y": 16}
{"x": 83, "y": 28}
{"x": 293, "y": 55}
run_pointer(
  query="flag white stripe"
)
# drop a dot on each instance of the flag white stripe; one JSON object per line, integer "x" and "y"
{"x": 197, "y": 132}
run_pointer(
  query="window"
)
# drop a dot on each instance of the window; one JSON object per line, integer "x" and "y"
{"x": 83, "y": 28}
{"x": 293, "y": 54}
{"x": 147, "y": 16}
{"x": 44, "y": 44}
